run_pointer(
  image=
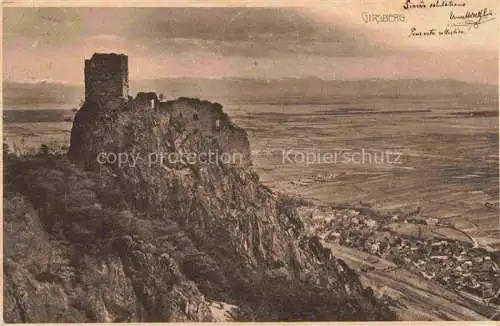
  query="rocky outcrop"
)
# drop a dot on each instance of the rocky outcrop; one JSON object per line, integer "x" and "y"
{"x": 52, "y": 274}
{"x": 146, "y": 239}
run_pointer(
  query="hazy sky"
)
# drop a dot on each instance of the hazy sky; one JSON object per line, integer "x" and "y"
{"x": 328, "y": 41}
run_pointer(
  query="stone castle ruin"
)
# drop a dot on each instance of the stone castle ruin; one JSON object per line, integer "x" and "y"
{"x": 106, "y": 76}
{"x": 107, "y": 85}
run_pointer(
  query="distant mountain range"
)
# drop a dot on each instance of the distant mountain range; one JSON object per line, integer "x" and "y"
{"x": 47, "y": 94}
{"x": 50, "y": 95}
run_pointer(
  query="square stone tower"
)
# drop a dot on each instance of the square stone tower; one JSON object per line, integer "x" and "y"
{"x": 106, "y": 75}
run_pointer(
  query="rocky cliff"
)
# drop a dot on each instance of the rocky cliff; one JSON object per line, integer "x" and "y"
{"x": 179, "y": 221}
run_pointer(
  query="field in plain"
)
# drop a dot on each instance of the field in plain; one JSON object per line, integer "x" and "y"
{"x": 447, "y": 156}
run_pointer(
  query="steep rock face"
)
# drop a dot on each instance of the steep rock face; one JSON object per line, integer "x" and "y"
{"x": 236, "y": 216}
{"x": 59, "y": 266}
{"x": 225, "y": 202}
{"x": 163, "y": 236}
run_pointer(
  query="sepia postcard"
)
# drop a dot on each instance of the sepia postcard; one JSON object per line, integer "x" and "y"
{"x": 239, "y": 161}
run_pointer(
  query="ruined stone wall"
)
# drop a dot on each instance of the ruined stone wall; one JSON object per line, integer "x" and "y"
{"x": 204, "y": 117}
{"x": 106, "y": 75}
{"x": 147, "y": 99}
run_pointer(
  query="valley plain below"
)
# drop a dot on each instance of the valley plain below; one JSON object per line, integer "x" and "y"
{"x": 447, "y": 165}
{"x": 446, "y": 169}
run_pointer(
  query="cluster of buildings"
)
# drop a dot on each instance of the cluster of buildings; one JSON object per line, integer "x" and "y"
{"x": 455, "y": 264}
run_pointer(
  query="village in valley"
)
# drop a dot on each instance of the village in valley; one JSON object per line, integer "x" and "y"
{"x": 461, "y": 266}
